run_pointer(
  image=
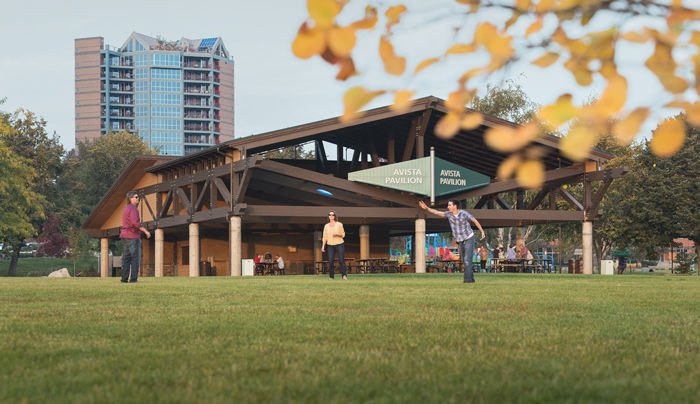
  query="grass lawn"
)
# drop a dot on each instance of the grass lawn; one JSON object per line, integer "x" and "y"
{"x": 400, "y": 338}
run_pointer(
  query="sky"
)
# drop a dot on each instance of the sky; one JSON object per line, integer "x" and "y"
{"x": 273, "y": 89}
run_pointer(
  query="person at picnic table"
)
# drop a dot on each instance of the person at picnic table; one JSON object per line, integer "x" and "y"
{"x": 495, "y": 255}
{"x": 462, "y": 233}
{"x": 523, "y": 251}
{"x": 280, "y": 263}
{"x": 333, "y": 234}
{"x": 484, "y": 255}
{"x": 511, "y": 253}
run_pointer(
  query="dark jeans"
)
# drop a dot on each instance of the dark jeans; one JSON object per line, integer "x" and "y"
{"x": 340, "y": 249}
{"x": 131, "y": 258}
{"x": 466, "y": 253}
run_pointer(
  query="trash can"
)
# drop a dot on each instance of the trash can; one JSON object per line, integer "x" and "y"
{"x": 574, "y": 267}
{"x": 205, "y": 268}
{"x": 247, "y": 267}
{"x": 607, "y": 267}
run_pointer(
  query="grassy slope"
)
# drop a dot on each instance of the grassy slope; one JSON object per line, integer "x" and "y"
{"x": 392, "y": 338}
{"x": 42, "y": 266}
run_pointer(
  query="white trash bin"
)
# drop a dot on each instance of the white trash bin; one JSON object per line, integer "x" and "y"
{"x": 607, "y": 267}
{"x": 248, "y": 267}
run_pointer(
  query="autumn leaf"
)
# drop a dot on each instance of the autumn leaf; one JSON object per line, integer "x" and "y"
{"x": 393, "y": 64}
{"x": 472, "y": 121}
{"x": 341, "y": 40}
{"x": 507, "y": 140}
{"x": 508, "y": 167}
{"x": 459, "y": 49}
{"x": 370, "y": 20}
{"x": 347, "y": 69}
{"x": 449, "y": 125}
{"x": 323, "y": 11}
{"x": 668, "y": 138}
{"x": 534, "y": 27}
{"x": 578, "y": 142}
{"x": 308, "y": 42}
{"x": 402, "y": 100}
{"x": 394, "y": 14}
{"x": 560, "y": 112}
{"x": 530, "y": 174}
{"x": 614, "y": 97}
{"x": 422, "y": 65}
{"x": 662, "y": 64}
{"x": 356, "y": 98}
{"x": 626, "y": 129}
{"x": 547, "y": 60}
{"x": 457, "y": 100}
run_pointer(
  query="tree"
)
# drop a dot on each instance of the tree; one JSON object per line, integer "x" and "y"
{"x": 291, "y": 152}
{"x": 80, "y": 245}
{"x": 17, "y": 199}
{"x": 103, "y": 161}
{"x": 25, "y": 135}
{"x": 666, "y": 193}
{"x": 52, "y": 243}
{"x": 558, "y": 32}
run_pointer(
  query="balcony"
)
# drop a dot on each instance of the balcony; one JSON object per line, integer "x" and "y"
{"x": 193, "y": 149}
{"x": 197, "y": 90}
{"x": 121, "y": 87}
{"x": 197, "y": 102}
{"x": 196, "y": 115}
{"x": 198, "y": 127}
{"x": 121, "y": 63}
{"x": 198, "y": 65}
{"x": 197, "y": 77}
{"x": 203, "y": 139}
{"x": 119, "y": 75}
{"x": 118, "y": 126}
{"x": 122, "y": 113}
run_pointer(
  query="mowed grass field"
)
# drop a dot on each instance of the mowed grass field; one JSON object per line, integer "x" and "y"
{"x": 399, "y": 338}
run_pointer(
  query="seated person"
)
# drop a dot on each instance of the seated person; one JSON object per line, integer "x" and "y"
{"x": 280, "y": 263}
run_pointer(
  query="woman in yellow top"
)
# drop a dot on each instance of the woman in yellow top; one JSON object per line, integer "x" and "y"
{"x": 333, "y": 234}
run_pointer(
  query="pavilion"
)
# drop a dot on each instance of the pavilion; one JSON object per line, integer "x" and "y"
{"x": 228, "y": 203}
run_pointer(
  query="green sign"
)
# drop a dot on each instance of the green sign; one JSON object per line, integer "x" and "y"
{"x": 415, "y": 176}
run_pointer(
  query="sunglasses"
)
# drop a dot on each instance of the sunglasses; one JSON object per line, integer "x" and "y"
{"x": 331, "y": 214}
{"x": 135, "y": 196}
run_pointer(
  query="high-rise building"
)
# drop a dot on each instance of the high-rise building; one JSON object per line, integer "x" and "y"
{"x": 177, "y": 95}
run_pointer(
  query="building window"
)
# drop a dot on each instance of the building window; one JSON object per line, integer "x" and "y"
{"x": 141, "y": 124}
{"x": 165, "y": 60}
{"x": 172, "y": 74}
{"x": 140, "y": 99}
{"x": 166, "y": 124}
{"x": 166, "y": 137}
{"x": 143, "y": 136}
{"x": 141, "y": 111}
{"x": 78, "y": 102}
{"x": 78, "y": 127}
{"x": 167, "y": 112}
{"x": 77, "y": 90}
{"x": 141, "y": 73}
{"x": 141, "y": 86}
{"x": 166, "y": 86}
{"x": 138, "y": 47}
{"x": 77, "y": 50}
{"x": 77, "y": 115}
{"x": 140, "y": 60}
{"x": 77, "y": 77}
{"x": 168, "y": 99}
{"x": 128, "y": 47}
{"x": 169, "y": 149}
{"x": 77, "y": 65}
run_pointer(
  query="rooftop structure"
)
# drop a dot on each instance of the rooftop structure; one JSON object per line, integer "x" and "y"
{"x": 178, "y": 95}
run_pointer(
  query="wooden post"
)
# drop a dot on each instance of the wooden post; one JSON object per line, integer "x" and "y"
{"x": 419, "y": 246}
{"x": 104, "y": 257}
{"x": 194, "y": 249}
{"x": 364, "y": 242}
{"x": 318, "y": 242}
{"x": 587, "y": 248}
{"x": 235, "y": 240}
{"x": 159, "y": 253}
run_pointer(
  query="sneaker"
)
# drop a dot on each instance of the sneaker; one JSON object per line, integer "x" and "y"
{"x": 330, "y": 279}
{"x": 345, "y": 278}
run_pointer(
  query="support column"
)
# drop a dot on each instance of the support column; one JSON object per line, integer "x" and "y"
{"x": 104, "y": 257}
{"x": 235, "y": 240}
{"x": 587, "y": 263}
{"x": 419, "y": 246}
{"x": 364, "y": 242}
{"x": 519, "y": 237}
{"x": 159, "y": 252}
{"x": 318, "y": 243}
{"x": 194, "y": 249}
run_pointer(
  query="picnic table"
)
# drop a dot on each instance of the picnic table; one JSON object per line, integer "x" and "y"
{"x": 322, "y": 266}
{"x": 265, "y": 268}
{"x": 370, "y": 265}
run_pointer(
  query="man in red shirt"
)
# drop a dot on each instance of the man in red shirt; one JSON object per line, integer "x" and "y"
{"x": 131, "y": 238}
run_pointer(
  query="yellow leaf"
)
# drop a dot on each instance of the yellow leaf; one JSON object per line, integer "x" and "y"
{"x": 628, "y": 128}
{"x": 422, "y": 65}
{"x": 560, "y": 112}
{"x": 662, "y": 64}
{"x": 508, "y": 140}
{"x": 531, "y": 174}
{"x": 498, "y": 46}
{"x": 578, "y": 142}
{"x": 635, "y": 37}
{"x": 369, "y": 21}
{"x": 508, "y": 167}
{"x": 547, "y": 60}
{"x": 341, "y": 40}
{"x": 448, "y": 126}
{"x": 356, "y": 98}
{"x": 581, "y": 72}
{"x": 393, "y": 15}
{"x": 534, "y": 27}
{"x": 323, "y": 11}
{"x": 614, "y": 97}
{"x": 402, "y": 100}
{"x": 347, "y": 69}
{"x": 309, "y": 42}
{"x": 460, "y": 48}
{"x": 544, "y": 6}
{"x": 668, "y": 138}
{"x": 472, "y": 121}
{"x": 457, "y": 100}
{"x": 394, "y": 65}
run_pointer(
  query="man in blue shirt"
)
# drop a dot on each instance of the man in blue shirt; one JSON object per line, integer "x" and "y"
{"x": 461, "y": 231}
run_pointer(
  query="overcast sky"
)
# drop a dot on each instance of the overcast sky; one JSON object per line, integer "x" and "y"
{"x": 273, "y": 89}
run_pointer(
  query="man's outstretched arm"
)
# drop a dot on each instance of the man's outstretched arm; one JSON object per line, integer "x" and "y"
{"x": 431, "y": 210}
